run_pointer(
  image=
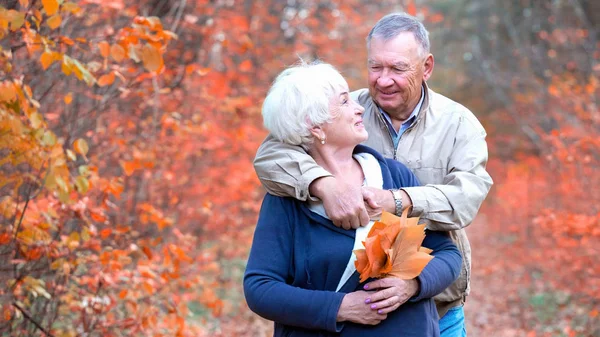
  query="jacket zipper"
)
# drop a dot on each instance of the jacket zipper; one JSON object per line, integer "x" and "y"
{"x": 388, "y": 132}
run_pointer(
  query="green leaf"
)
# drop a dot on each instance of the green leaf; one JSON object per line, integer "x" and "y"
{"x": 82, "y": 184}
{"x": 49, "y": 139}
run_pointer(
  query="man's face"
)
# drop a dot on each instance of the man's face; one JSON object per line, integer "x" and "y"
{"x": 397, "y": 69}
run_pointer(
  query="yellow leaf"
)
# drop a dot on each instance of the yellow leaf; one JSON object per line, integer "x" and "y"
{"x": 8, "y": 92}
{"x": 107, "y": 79}
{"x": 104, "y": 48}
{"x": 82, "y": 184}
{"x": 36, "y": 120}
{"x": 17, "y": 19}
{"x": 47, "y": 59}
{"x": 57, "y": 264}
{"x": 54, "y": 21}
{"x": 68, "y": 98}
{"x": 49, "y": 139}
{"x": 117, "y": 52}
{"x": 80, "y": 146}
{"x": 71, "y": 7}
{"x": 74, "y": 236}
{"x": 85, "y": 234}
{"x": 50, "y": 6}
{"x": 66, "y": 69}
{"x": 71, "y": 155}
{"x": 151, "y": 58}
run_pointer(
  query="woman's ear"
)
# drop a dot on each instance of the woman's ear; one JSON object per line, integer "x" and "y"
{"x": 317, "y": 132}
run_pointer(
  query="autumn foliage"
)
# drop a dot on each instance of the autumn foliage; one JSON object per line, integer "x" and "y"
{"x": 393, "y": 248}
{"x": 128, "y": 129}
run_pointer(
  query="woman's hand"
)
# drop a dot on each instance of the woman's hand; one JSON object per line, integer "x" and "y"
{"x": 392, "y": 293}
{"x": 355, "y": 309}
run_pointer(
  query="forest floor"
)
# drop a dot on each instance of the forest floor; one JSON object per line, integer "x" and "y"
{"x": 487, "y": 311}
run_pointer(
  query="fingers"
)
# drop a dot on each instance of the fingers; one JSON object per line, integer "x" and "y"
{"x": 346, "y": 224}
{"x": 370, "y": 198}
{"x": 387, "y": 310}
{"x": 385, "y": 282}
{"x": 363, "y": 217}
{"x": 381, "y": 295}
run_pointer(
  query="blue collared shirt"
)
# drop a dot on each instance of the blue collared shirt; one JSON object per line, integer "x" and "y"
{"x": 411, "y": 119}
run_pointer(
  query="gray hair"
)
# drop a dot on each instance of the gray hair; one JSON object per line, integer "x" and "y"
{"x": 298, "y": 100}
{"x": 394, "y": 24}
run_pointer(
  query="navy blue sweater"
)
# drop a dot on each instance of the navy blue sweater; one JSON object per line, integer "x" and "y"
{"x": 298, "y": 257}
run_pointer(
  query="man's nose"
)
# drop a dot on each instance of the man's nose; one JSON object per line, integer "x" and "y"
{"x": 384, "y": 80}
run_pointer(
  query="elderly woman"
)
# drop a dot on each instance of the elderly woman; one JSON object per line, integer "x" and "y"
{"x": 300, "y": 272}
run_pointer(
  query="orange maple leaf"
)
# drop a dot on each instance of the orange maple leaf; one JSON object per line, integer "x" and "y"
{"x": 393, "y": 248}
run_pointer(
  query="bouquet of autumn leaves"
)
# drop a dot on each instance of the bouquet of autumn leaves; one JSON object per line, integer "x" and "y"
{"x": 393, "y": 248}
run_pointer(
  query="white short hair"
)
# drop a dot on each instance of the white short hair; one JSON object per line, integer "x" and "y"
{"x": 299, "y": 99}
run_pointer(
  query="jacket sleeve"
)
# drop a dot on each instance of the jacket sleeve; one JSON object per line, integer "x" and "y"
{"x": 286, "y": 170}
{"x": 269, "y": 269}
{"x": 453, "y": 204}
{"x": 443, "y": 269}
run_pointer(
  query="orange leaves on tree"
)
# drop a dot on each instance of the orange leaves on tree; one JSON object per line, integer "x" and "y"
{"x": 117, "y": 52}
{"x": 411, "y": 8}
{"x": 54, "y": 21}
{"x": 107, "y": 79}
{"x": 50, "y": 6}
{"x": 246, "y": 66}
{"x": 80, "y": 146}
{"x": 393, "y": 248}
{"x": 49, "y": 57}
{"x": 104, "y": 48}
{"x": 68, "y": 98}
{"x": 8, "y": 91}
{"x": 4, "y": 238}
{"x": 152, "y": 58}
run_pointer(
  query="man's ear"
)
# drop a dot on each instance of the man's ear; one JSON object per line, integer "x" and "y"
{"x": 429, "y": 63}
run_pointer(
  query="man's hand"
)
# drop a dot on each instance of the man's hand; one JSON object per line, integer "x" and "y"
{"x": 354, "y": 309}
{"x": 383, "y": 199}
{"x": 343, "y": 202}
{"x": 392, "y": 293}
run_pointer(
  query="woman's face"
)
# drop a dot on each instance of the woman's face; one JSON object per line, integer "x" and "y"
{"x": 346, "y": 127}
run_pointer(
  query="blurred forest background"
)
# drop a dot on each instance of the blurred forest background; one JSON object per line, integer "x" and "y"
{"x": 128, "y": 128}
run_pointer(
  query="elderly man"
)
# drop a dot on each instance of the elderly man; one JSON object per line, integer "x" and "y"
{"x": 441, "y": 141}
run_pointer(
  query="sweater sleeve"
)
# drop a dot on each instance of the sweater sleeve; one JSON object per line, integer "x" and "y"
{"x": 270, "y": 270}
{"x": 443, "y": 269}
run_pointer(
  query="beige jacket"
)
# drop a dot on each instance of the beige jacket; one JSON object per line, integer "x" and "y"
{"x": 445, "y": 148}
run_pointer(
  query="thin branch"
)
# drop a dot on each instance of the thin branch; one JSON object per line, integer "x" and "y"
{"x": 179, "y": 13}
{"x": 28, "y": 316}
